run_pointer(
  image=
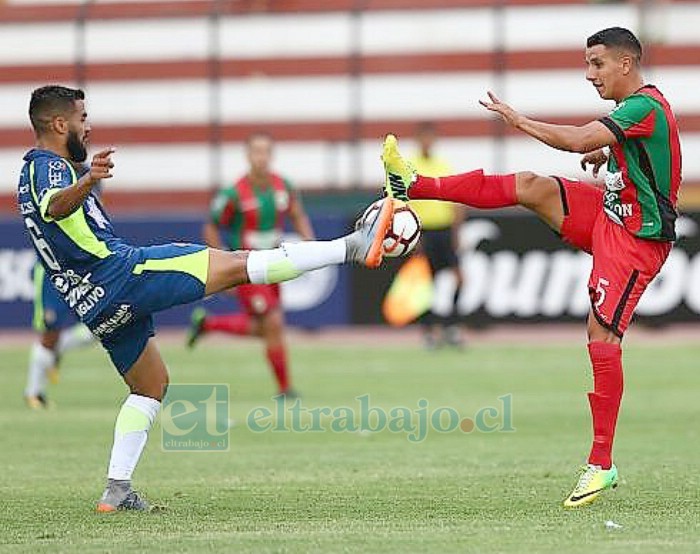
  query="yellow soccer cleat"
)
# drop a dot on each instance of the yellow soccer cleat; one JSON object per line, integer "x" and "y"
{"x": 400, "y": 174}
{"x": 38, "y": 402}
{"x": 591, "y": 483}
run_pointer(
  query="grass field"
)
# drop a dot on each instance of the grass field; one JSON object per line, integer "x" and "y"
{"x": 363, "y": 492}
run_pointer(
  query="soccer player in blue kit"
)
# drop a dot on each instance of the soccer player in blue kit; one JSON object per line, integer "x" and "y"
{"x": 115, "y": 287}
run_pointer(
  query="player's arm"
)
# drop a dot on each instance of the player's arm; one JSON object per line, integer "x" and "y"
{"x": 300, "y": 221}
{"x": 221, "y": 214}
{"x": 65, "y": 201}
{"x": 211, "y": 236}
{"x": 571, "y": 138}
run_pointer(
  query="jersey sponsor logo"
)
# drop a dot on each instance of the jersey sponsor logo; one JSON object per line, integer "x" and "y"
{"x": 249, "y": 205}
{"x": 614, "y": 181}
{"x": 121, "y": 317}
{"x": 281, "y": 200}
{"x": 262, "y": 240}
{"x": 219, "y": 203}
{"x": 92, "y": 299}
{"x": 55, "y": 174}
{"x": 26, "y": 208}
{"x": 618, "y": 107}
{"x": 618, "y": 210}
{"x": 79, "y": 293}
{"x": 60, "y": 282}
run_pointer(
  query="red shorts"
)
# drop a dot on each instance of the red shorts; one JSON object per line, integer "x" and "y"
{"x": 623, "y": 265}
{"x": 258, "y": 299}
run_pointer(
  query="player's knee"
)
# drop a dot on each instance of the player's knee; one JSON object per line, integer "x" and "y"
{"x": 226, "y": 270}
{"x": 598, "y": 333}
{"x": 49, "y": 339}
{"x": 273, "y": 324}
{"x": 533, "y": 190}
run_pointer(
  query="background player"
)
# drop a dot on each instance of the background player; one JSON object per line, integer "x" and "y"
{"x": 250, "y": 214}
{"x": 439, "y": 242}
{"x": 58, "y": 331}
{"x": 629, "y": 228}
{"x": 116, "y": 287}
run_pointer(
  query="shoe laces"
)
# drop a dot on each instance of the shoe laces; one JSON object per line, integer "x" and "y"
{"x": 587, "y": 473}
{"x": 133, "y": 502}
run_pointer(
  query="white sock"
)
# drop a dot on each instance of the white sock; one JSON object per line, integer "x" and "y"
{"x": 292, "y": 259}
{"x": 41, "y": 359}
{"x": 130, "y": 434}
{"x": 74, "y": 337}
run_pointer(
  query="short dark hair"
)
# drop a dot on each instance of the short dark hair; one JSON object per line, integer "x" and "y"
{"x": 617, "y": 37}
{"x": 50, "y": 101}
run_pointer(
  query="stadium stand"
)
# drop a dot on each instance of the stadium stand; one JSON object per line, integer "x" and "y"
{"x": 177, "y": 86}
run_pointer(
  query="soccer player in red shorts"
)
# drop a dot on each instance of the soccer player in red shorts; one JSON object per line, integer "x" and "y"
{"x": 250, "y": 214}
{"x": 628, "y": 228}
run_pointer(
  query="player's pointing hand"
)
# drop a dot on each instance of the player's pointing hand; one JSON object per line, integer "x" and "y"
{"x": 508, "y": 114}
{"x": 596, "y": 158}
{"x": 102, "y": 164}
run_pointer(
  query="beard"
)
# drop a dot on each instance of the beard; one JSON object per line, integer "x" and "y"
{"x": 76, "y": 149}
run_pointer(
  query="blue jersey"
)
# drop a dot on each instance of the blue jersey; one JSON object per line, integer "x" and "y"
{"x": 84, "y": 260}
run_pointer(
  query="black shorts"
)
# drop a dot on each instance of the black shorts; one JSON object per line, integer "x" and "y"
{"x": 437, "y": 245}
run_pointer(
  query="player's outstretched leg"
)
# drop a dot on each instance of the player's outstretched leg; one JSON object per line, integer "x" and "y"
{"x": 202, "y": 323}
{"x": 535, "y": 192}
{"x": 363, "y": 246}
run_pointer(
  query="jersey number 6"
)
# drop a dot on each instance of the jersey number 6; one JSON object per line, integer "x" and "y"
{"x": 41, "y": 245}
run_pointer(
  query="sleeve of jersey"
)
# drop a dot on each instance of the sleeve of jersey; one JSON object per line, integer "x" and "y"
{"x": 223, "y": 208}
{"x": 635, "y": 117}
{"x": 50, "y": 177}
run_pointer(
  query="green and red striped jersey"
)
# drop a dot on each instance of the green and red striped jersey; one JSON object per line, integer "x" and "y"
{"x": 644, "y": 168}
{"x": 252, "y": 216}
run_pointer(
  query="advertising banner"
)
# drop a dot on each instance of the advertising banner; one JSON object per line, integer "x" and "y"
{"x": 311, "y": 301}
{"x": 517, "y": 270}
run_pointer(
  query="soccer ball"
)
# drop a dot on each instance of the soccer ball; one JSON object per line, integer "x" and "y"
{"x": 403, "y": 233}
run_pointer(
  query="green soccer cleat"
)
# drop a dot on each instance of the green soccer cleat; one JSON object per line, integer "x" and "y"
{"x": 591, "y": 483}
{"x": 196, "y": 326}
{"x": 400, "y": 174}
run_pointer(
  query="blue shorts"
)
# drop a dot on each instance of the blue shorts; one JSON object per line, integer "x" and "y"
{"x": 166, "y": 276}
{"x": 51, "y": 313}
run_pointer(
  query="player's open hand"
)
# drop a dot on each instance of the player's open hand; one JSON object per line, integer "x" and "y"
{"x": 101, "y": 165}
{"x": 508, "y": 114}
{"x": 596, "y": 158}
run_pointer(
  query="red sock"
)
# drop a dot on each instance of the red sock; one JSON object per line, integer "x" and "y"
{"x": 605, "y": 400}
{"x": 277, "y": 356}
{"x": 473, "y": 189}
{"x": 233, "y": 324}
